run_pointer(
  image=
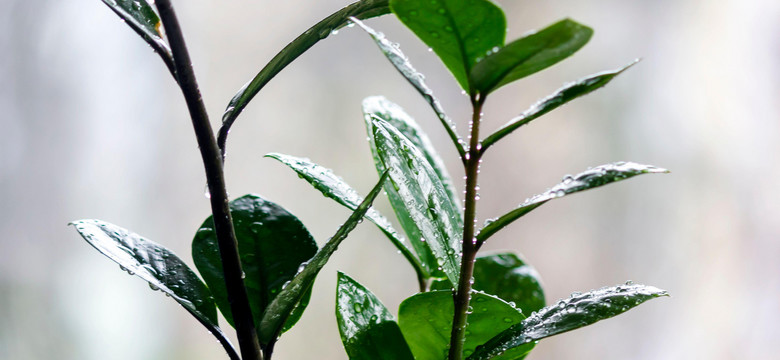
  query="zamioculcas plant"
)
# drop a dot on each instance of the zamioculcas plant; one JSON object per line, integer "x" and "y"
{"x": 258, "y": 261}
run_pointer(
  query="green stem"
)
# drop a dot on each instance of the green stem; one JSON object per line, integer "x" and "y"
{"x": 462, "y": 295}
{"x": 212, "y": 162}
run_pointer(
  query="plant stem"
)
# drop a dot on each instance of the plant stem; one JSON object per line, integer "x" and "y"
{"x": 212, "y": 162}
{"x": 462, "y": 295}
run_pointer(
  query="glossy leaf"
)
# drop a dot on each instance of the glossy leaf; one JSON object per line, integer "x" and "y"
{"x": 562, "y": 96}
{"x": 279, "y": 310}
{"x": 162, "y": 269}
{"x": 362, "y": 9}
{"x": 508, "y": 277}
{"x": 272, "y": 245}
{"x": 566, "y": 315}
{"x": 332, "y": 186}
{"x": 423, "y": 198}
{"x": 367, "y": 328}
{"x": 394, "y": 115}
{"x": 424, "y": 254}
{"x": 142, "y": 18}
{"x": 460, "y": 32}
{"x": 529, "y": 55}
{"x": 402, "y": 64}
{"x": 426, "y": 322}
{"x": 589, "y": 179}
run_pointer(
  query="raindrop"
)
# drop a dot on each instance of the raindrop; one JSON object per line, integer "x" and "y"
{"x": 153, "y": 287}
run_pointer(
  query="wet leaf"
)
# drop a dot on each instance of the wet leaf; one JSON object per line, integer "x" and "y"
{"x": 402, "y": 64}
{"x": 142, "y": 18}
{"x": 367, "y": 328}
{"x": 162, "y": 269}
{"x": 426, "y": 322}
{"x": 529, "y": 55}
{"x": 508, "y": 277}
{"x": 278, "y": 311}
{"x": 332, "y": 186}
{"x": 378, "y": 106}
{"x": 459, "y": 32}
{"x": 589, "y": 179}
{"x": 566, "y": 315}
{"x": 363, "y": 9}
{"x": 422, "y": 199}
{"x": 272, "y": 245}
{"x": 562, "y": 96}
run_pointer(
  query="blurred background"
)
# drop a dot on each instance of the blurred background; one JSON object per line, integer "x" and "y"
{"x": 93, "y": 126}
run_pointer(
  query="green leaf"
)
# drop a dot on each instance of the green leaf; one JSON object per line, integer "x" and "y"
{"x": 423, "y": 200}
{"x": 278, "y": 311}
{"x": 162, "y": 269}
{"x": 566, "y": 315}
{"x": 332, "y": 186}
{"x": 426, "y": 322}
{"x": 508, "y": 277}
{"x": 272, "y": 245}
{"x": 142, "y": 18}
{"x": 402, "y": 64}
{"x": 562, "y": 96}
{"x": 363, "y": 9}
{"x": 386, "y": 110}
{"x": 460, "y": 32}
{"x": 589, "y": 179}
{"x": 367, "y": 328}
{"x": 528, "y": 55}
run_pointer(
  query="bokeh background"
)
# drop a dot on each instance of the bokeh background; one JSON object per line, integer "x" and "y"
{"x": 94, "y": 127}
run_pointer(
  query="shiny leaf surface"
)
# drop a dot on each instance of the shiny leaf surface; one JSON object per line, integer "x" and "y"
{"x": 272, "y": 245}
{"x": 508, "y": 277}
{"x": 402, "y": 64}
{"x": 378, "y": 106}
{"x": 566, "y": 315}
{"x": 332, "y": 186}
{"x": 529, "y": 55}
{"x": 282, "y": 306}
{"x": 459, "y": 32}
{"x": 426, "y": 322}
{"x": 367, "y": 328}
{"x": 423, "y": 198}
{"x": 142, "y": 18}
{"x": 162, "y": 269}
{"x": 363, "y": 9}
{"x": 589, "y": 179}
{"x": 562, "y": 96}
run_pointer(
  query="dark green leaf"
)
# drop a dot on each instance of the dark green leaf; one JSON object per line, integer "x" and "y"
{"x": 367, "y": 328}
{"x": 402, "y": 64}
{"x": 562, "y": 96}
{"x": 362, "y": 9}
{"x": 426, "y": 322}
{"x": 423, "y": 200}
{"x": 460, "y": 32}
{"x": 388, "y": 111}
{"x": 589, "y": 179}
{"x": 528, "y": 55}
{"x": 161, "y": 268}
{"x": 278, "y": 311}
{"x": 272, "y": 245}
{"x": 142, "y": 18}
{"x": 507, "y": 276}
{"x": 424, "y": 254}
{"x": 332, "y": 186}
{"x": 566, "y": 315}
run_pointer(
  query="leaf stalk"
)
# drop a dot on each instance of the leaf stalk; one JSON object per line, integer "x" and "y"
{"x": 462, "y": 296}
{"x": 212, "y": 162}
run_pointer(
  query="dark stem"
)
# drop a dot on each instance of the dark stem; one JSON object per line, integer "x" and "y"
{"x": 212, "y": 162}
{"x": 462, "y": 295}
